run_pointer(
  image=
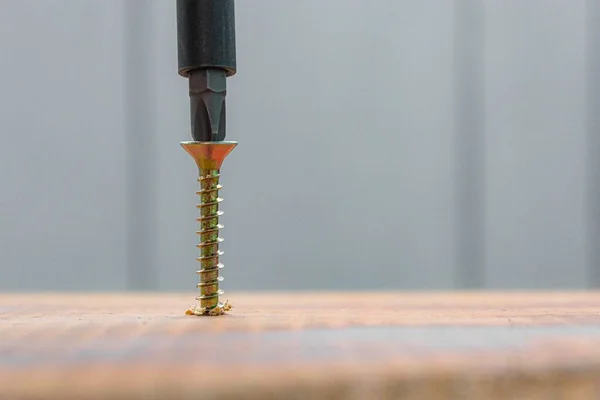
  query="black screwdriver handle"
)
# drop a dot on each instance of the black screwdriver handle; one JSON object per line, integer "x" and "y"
{"x": 206, "y": 35}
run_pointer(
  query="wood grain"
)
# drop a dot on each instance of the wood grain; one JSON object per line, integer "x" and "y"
{"x": 302, "y": 345}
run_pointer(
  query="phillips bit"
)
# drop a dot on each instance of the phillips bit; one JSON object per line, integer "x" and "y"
{"x": 207, "y": 104}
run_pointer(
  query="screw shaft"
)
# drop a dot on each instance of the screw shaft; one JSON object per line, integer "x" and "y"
{"x": 209, "y": 242}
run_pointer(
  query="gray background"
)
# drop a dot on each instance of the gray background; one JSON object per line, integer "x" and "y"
{"x": 423, "y": 144}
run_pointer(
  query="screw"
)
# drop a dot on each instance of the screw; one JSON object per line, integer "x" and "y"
{"x": 208, "y": 157}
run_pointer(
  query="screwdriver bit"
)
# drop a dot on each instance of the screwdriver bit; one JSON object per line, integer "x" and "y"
{"x": 207, "y": 104}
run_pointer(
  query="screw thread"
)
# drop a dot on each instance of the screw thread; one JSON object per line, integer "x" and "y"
{"x": 209, "y": 240}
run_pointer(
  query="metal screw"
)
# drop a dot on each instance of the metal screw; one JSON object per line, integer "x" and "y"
{"x": 208, "y": 157}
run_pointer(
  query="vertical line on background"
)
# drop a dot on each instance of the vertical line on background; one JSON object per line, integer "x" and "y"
{"x": 592, "y": 213}
{"x": 469, "y": 30}
{"x": 142, "y": 271}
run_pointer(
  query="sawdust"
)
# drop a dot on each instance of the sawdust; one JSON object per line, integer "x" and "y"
{"x": 220, "y": 309}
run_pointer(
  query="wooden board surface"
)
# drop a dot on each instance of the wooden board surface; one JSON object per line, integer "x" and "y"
{"x": 302, "y": 345}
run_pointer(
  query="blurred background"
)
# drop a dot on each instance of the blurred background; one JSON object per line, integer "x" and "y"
{"x": 387, "y": 144}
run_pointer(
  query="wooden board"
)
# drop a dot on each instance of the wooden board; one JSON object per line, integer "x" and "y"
{"x": 302, "y": 345}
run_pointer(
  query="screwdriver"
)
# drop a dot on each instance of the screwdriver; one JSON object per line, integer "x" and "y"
{"x": 206, "y": 54}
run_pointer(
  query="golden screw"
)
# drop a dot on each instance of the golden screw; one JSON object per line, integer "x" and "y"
{"x": 208, "y": 157}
